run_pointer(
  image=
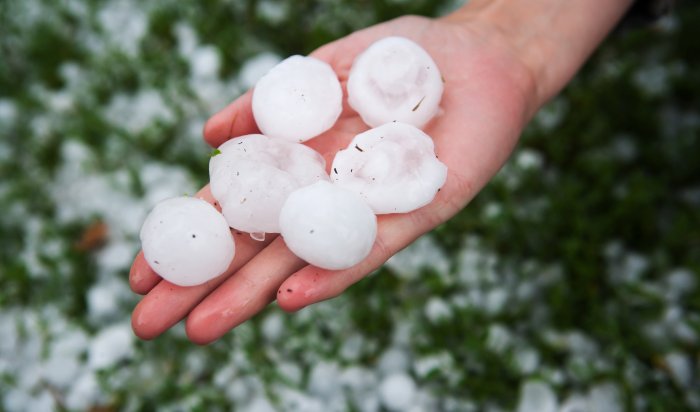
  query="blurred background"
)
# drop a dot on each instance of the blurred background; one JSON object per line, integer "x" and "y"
{"x": 569, "y": 284}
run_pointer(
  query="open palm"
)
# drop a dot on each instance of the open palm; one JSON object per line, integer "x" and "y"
{"x": 484, "y": 108}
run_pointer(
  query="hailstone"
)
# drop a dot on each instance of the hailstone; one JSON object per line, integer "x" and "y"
{"x": 187, "y": 241}
{"x": 392, "y": 167}
{"x": 252, "y": 176}
{"x": 298, "y": 99}
{"x": 395, "y": 79}
{"x": 328, "y": 226}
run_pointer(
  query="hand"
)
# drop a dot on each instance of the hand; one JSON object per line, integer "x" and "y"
{"x": 489, "y": 96}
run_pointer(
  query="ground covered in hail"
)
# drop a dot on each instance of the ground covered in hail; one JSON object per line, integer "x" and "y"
{"x": 570, "y": 282}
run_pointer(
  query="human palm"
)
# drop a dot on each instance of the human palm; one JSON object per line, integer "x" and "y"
{"x": 484, "y": 108}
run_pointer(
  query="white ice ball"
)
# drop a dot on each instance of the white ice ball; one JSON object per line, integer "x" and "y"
{"x": 393, "y": 167}
{"x": 328, "y": 226}
{"x": 397, "y": 392}
{"x": 187, "y": 241}
{"x": 298, "y": 99}
{"x": 395, "y": 79}
{"x": 253, "y": 175}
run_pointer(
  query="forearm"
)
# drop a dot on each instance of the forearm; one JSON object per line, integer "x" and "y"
{"x": 553, "y": 38}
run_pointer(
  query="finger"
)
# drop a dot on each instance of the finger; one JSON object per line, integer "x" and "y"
{"x": 394, "y": 232}
{"x": 236, "y": 119}
{"x": 141, "y": 277}
{"x": 312, "y": 284}
{"x": 242, "y": 295}
{"x": 166, "y": 304}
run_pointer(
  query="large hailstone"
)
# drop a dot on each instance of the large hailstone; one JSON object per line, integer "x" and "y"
{"x": 395, "y": 79}
{"x": 298, "y": 99}
{"x": 328, "y": 226}
{"x": 187, "y": 241}
{"x": 252, "y": 176}
{"x": 393, "y": 167}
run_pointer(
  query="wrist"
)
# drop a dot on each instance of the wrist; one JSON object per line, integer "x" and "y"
{"x": 552, "y": 39}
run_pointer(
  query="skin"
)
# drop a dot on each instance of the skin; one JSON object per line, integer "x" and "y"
{"x": 501, "y": 60}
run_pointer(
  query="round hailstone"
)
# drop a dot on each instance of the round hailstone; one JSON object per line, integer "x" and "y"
{"x": 187, "y": 241}
{"x": 397, "y": 392}
{"x": 252, "y": 176}
{"x": 328, "y": 226}
{"x": 395, "y": 79}
{"x": 298, "y": 99}
{"x": 393, "y": 167}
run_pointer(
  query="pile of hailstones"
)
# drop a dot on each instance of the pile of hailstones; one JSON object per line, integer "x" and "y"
{"x": 272, "y": 183}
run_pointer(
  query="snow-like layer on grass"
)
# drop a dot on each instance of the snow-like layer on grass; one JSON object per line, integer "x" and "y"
{"x": 536, "y": 396}
{"x": 125, "y": 24}
{"x": 397, "y": 392}
{"x": 45, "y": 362}
{"x": 256, "y": 67}
{"x": 136, "y": 112}
{"x": 112, "y": 345}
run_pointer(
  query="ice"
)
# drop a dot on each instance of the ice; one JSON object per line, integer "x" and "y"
{"x": 328, "y": 226}
{"x": 295, "y": 401}
{"x": 441, "y": 362}
{"x": 498, "y": 338}
{"x": 259, "y": 405}
{"x": 422, "y": 253}
{"x": 115, "y": 255}
{"x": 39, "y": 402}
{"x": 575, "y": 403}
{"x": 680, "y": 282}
{"x": 112, "y": 345}
{"x": 124, "y": 23}
{"x": 205, "y": 62}
{"x": 187, "y": 241}
{"x": 393, "y": 167}
{"x": 527, "y": 159}
{"x": 352, "y": 347}
{"x": 324, "y": 382}
{"x": 272, "y": 11}
{"x": 136, "y": 112}
{"x": 606, "y": 397}
{"x": 394, "y": 360}
{"x": 272, "y": 327}
{"x": 394, "y": 79}
{"x": 253, "y": 175}
{"x": 437, "y": 310}
{"x": 527, "y": 360}
{"x": 361, "y": 385}
{"x": 536, "y": 396}
{"x": 290, "y": 372}
{"x": 63, "y": 364}
{"x": 8, "y": 113}
{"x": 397, "y": 392}
{"x": 681, "y": 368}
{"x": 84, "y": 393}
{"x": 298, "y": 99}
